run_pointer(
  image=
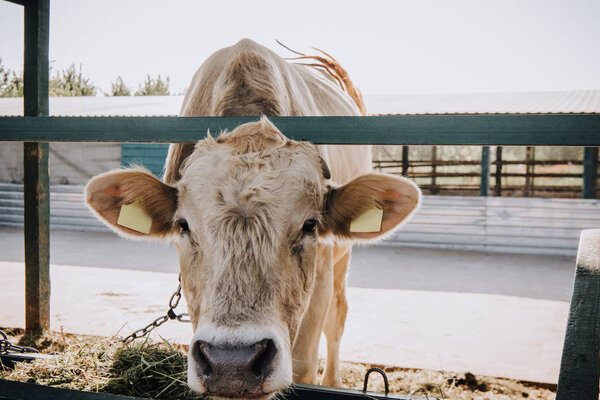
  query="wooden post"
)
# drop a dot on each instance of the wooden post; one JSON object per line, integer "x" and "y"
{"x": 405, "y": 160}
{"x": 35, "y": 165}
{"x": 528, "y": 171}
{"x": 532, "y": 176}
{"x": 590, "y": 172}
{"x": 498, "y": 185}
{"x": 434, "y": 188}
{"x": 484, "y": 181}
{"x": 579, "y": 367}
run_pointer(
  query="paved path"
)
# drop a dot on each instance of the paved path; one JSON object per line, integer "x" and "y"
{"x": 500, "y": 315}
{"x": 540, "y": 277}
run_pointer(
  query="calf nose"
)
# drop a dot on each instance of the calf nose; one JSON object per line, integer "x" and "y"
{"x": 231, "y": 370}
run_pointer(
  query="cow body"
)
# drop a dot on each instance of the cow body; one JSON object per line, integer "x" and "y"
{"x": 249, "y": 79}
{"x": 261, "y": 223}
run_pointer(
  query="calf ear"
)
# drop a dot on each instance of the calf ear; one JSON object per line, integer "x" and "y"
{"x": 105, "y": 194}
{"x": 397, "y": 197}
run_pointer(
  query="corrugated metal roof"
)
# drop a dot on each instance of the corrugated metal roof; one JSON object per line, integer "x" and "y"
{"x": 101, "y": 106}
{"x": 580, "y": 101}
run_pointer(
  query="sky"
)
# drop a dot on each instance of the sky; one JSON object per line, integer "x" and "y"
{"x": 388, "y": 47}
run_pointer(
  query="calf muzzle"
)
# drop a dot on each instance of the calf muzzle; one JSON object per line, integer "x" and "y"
{"x": 234, "y": 370}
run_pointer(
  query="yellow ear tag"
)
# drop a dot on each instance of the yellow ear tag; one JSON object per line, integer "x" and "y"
{"x": 369, "y": 221}
{"x": 133, "y": 216}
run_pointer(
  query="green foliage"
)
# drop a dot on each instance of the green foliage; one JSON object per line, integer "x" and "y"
{"x": 154, "y": 87}
{"x": 119, "y": 88}
{"x": 11, "y": 83}
{"x": 71, "y": 82}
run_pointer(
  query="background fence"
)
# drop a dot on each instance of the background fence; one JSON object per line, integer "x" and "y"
{"x": 510, "y": 225}
{"x": 515, "y": 171}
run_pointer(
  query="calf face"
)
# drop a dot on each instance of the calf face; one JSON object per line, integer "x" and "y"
{"x": 247, "y": 217}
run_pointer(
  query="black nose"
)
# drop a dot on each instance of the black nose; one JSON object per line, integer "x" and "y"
{"x": 232, "y": 370}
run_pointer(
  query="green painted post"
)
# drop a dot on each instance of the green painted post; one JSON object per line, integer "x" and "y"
{"x": 580, "y": 365}
{"x": 498, "y": 186}
{"x": 590, "y": 172}
{"x": 484, "y": 183}
{"x": 35, "y": 165}
{"x": 405, "y": 161}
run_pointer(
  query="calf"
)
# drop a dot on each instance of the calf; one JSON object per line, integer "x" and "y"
{"x": 262, "y": 223}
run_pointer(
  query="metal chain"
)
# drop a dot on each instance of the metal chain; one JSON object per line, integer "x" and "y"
{"x": 171, "y": 314}
{"x": 6, "y": 346}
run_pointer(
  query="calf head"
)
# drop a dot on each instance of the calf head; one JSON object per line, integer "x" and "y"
{"x": 247, "y": 217}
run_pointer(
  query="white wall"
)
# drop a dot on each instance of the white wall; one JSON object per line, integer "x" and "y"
{"x": 69, "y": 163}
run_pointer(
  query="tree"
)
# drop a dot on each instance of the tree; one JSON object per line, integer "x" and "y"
{"x": 154, "y": 87}
{"x": 119, "y": 88}
{"x": 70, "y": 82}
{"x": 11, "y": 84}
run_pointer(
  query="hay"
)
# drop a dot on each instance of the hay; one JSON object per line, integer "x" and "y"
{"x": 81, "y": 362}
{"x": 158, "y": 370}
{"x": 154, "y": 370}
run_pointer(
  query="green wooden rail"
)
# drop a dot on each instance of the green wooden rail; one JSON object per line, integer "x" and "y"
{"x": 30, "y": 391}
{"x": 486, "y": 129}
{"x": 36, "y": 129}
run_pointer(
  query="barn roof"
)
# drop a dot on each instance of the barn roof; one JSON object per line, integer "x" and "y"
{"x": 579, "y": 101}
{"x": 104, "y": 106}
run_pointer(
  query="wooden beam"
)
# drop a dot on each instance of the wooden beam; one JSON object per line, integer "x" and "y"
{"x": 498, "y": 186}
{"x": 529, "y": 165}
{"x": 590, "y": 172}
{"x": 19, "y": 2}
{"x": 405, "y": 161}
{"x": 434, "y": 189}
{"x": 477, "y": 130}
{"x": 35, "y": 165}
{"x": 30, "y": 391}
{"x": 580, "y": 367}
{"x": 484, "y": 180}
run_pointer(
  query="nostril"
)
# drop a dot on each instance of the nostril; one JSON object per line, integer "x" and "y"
{"x": 261, "y": 364}
{"x": 199, "y": 355}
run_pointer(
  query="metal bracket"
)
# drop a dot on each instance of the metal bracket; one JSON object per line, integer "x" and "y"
{"x": 9, "y": 359}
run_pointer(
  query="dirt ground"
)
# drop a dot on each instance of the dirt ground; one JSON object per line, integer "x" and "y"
{"x": 157, "y": 370}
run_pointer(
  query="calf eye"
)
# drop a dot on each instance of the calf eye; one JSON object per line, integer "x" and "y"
{"x": 183, "y": 225}
{"x": 309, "y": 226}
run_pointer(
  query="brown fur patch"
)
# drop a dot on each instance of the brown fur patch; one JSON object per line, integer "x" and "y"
{"x": 249, "y": 88}
{"x": 178, "y": 152}
{"x": 253, "y": 137}
{"x": 396, "y": 196}
{"x": 325, "y": 168}
{"x": 106, "y": 193}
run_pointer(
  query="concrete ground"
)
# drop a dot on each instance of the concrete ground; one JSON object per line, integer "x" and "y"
{"x": 534, "y": 276}
{"x": 494, "y": 314}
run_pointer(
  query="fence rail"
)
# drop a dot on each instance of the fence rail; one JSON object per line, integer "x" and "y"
{"x": 458, "y": 177}
{"x": 492, "y": 129}
{"x": 510, "y": 225}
